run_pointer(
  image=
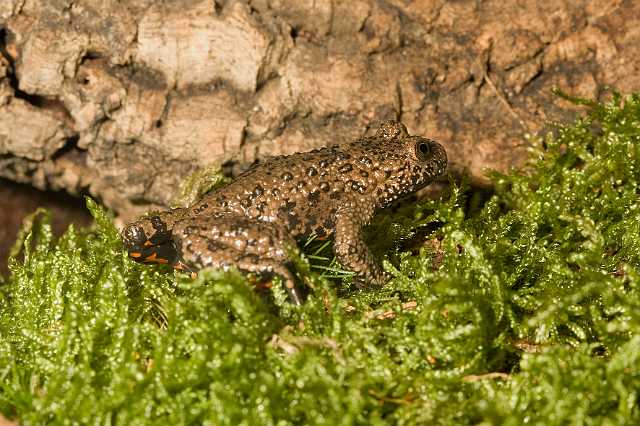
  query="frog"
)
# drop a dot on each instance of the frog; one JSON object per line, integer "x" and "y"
{"x": 253, "y": 222}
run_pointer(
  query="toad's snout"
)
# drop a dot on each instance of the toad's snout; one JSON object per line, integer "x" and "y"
{"x": 440, "y": 158}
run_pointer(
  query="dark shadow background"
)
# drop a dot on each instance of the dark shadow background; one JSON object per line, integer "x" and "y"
{"x": 17, "y": 201}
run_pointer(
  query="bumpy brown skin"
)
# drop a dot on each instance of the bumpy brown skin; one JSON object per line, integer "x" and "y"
{"x": 251, "y": 222}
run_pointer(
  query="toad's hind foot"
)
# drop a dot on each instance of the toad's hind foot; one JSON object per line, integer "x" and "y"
{"x": 289, "y": 284}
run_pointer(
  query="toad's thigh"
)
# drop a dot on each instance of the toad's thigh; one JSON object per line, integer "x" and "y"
{"x": 236, "y": 241}
{"x": 222, "y": 240}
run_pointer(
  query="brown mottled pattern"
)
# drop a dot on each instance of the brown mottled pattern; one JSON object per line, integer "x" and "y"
{"x": 249, "y": 222}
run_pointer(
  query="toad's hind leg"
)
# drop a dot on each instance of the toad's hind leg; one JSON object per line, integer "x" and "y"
{"x": 223, "y": 242}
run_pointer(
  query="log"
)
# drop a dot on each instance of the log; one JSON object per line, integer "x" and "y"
{"x": 124, "y": 99}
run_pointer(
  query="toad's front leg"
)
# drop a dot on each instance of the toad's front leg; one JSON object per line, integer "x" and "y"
{"x": 351, "y": 250}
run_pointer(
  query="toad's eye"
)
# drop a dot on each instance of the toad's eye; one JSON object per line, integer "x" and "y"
{"x": 422, "y": 150}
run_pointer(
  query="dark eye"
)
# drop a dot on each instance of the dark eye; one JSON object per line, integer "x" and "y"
{"x": 422, "y": 150}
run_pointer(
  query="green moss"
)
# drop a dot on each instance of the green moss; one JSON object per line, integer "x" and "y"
{"x": 523, "y": 307}
{"x": 199, "y": 183}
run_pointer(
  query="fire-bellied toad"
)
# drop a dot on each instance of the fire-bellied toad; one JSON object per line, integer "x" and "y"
{"x": 251, "y": 222}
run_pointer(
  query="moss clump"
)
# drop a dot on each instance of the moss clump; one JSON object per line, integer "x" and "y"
{"x": 524, "y": 308}
{"x": 199, "y": 183}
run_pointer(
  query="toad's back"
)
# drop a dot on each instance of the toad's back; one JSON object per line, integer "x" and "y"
{"x": 304, "y": 191}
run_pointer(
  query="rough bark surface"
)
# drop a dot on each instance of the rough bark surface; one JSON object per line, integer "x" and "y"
{"x": 123, "y": 99}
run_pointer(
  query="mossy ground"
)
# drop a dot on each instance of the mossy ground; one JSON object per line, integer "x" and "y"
{"x": 523, "y": 307}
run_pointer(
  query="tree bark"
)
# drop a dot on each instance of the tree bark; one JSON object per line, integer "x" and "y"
{"x": 123, "y": 99}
